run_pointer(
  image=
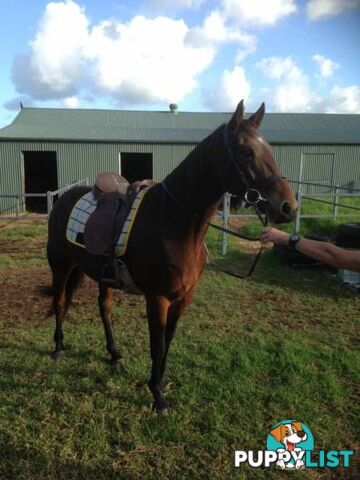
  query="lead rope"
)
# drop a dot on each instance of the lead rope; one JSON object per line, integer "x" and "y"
{"x": 263, "y": 220}
{"x": 253, "y": 202}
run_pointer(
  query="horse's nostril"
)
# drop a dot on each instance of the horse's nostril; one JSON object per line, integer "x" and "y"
{"x": 286, "y": 208}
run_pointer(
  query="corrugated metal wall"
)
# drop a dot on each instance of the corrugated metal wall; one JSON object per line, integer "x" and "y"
{"x": 85, "y": 160}
{"x": 344, "y": 160}
{"x": 76, "y": 161}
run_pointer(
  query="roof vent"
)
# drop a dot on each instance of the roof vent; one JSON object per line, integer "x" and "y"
{"x": 173, "y": 108}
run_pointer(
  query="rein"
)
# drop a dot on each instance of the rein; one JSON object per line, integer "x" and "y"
{"x": 226, "y": 230}
{"x": 252, "y": 196}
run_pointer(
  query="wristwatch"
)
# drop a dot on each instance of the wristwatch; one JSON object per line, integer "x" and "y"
{"x": 293, "y": 240}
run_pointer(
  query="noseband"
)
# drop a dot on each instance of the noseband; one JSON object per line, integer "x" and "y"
{"x": 253, "y": 196}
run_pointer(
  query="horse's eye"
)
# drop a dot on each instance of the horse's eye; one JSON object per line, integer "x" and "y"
{"x": 246, "y": 152}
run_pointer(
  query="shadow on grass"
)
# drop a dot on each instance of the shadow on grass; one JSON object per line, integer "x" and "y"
{"x": 23, "y": 462}
{"x": 71, "y": 370}
{"x": 271, "y": 270}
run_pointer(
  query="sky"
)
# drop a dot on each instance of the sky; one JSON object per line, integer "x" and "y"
{"x": 296, "y": 55}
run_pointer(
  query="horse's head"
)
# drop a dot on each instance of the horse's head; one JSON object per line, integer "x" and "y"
{"x": 254, "y": 172}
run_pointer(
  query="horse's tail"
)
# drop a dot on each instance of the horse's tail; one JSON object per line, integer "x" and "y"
{"x": 74, "y": 281}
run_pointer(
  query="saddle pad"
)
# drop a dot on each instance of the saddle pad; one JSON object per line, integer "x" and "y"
{"x": 82, "y": 210}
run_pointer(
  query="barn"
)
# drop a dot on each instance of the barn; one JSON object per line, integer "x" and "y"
{"x": 45, "y": 149}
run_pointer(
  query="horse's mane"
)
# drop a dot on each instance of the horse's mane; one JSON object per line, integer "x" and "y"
{"x": 194, "y": 166}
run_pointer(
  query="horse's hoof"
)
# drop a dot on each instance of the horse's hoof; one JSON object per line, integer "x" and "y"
{"x": 162, "y": 406}
{"x": 57, "y": 355}
{"x": 165, "y": 381}
{"x": 118, "y": 365}
{"x": 167, "y": 385}
{"x": 115, "y": 360}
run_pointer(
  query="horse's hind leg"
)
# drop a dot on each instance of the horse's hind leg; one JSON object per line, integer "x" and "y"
{"x": 105, "y": 305}
{"x": 60, "y": 302}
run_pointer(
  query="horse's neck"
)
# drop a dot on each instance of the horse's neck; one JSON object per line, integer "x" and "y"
{"x": 196, "y": 184}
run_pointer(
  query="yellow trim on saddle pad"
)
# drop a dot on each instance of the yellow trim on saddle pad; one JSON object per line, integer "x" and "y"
{"x": 82, "y": 210}
{"x": 122, "y": 242}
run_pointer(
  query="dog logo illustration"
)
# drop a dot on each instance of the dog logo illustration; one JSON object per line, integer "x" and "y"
{"x": 290, "y": 446}
{"x": 290, "y": 439}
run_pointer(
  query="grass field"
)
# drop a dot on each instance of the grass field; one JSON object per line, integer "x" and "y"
{"x": 248, "y": 354}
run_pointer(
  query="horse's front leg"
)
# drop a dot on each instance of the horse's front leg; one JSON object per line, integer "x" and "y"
{"x": 174, "y": 313}
{"x": 105, "y": 305}
{"x": 157, "y": 312}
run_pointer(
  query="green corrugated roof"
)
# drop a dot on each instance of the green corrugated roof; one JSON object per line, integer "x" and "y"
{"x": 167, "y": 127}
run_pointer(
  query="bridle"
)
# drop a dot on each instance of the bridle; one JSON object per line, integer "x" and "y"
{"x": 253, "y": 198}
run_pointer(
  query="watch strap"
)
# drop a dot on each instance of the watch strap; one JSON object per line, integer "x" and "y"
{"x": 293, "y": 240}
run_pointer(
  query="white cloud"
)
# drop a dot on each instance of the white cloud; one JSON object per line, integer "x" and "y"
{"x": 144, "y": 60}
{"x": 215, "y": 31}
{"x": 54, "y": 67}
{"x": 177, "y": 4}
{"x": 147, "y": 59}
{"x": 327, "y": 66}
{"x": 258, "y": 12}
{"x": 71, "y": 102}
{"x": 280, "y": 67}
{"x": 343, "y": 100}
{"x": 58, "y": 45}
{"x": 316, "y": 9}
{"x": 293, "y": 93}
{"x": 294, "y": 97}
{"x": 233, "y": 86}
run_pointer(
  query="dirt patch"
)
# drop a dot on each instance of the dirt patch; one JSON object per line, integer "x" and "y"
{"x": 25, "y": 279}
{"x": 26, "y": 295}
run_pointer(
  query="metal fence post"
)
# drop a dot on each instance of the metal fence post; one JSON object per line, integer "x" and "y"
{"x": 226, "y": 212}
{"x": 17, "y": 207}
{"x": 336, "y": 201}
{"x": 49, "y": 201}
{"x": 298, "y": 213}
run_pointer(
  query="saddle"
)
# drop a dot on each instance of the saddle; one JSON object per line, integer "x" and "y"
{"x": 114, "y": 196}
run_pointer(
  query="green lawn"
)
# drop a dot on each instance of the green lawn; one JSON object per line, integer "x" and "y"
{"x": 248, "y": 354}
{"x": 311, "y": 226}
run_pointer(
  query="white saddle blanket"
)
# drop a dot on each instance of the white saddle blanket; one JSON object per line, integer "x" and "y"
{"x": 82, "y": 210}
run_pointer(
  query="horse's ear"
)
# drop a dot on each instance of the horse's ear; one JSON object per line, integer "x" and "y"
{"x": 256, "y": 118}
{"x": 238, "y": 116}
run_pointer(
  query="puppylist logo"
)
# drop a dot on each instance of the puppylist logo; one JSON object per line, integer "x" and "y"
{"x": 290, "y": 446}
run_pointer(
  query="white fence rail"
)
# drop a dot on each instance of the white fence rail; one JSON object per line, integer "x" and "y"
{"x": 19, "y": 206}
{"x": 225, "y": 214}
{"x": 335, "y": 206}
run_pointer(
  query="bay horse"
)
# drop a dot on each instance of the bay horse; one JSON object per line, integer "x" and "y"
{"x": 166, "y": 253}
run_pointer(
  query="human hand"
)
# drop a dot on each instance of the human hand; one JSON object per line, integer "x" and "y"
{"x": 271, "y": 234}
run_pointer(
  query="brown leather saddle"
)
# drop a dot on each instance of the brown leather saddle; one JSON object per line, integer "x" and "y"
{"x": 114, "y": 195}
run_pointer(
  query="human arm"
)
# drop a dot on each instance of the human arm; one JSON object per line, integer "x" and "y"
{"x": 322, "y": 251}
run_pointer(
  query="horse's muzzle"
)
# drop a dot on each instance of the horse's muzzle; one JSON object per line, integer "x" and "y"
{"x": 285, "y": 213}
